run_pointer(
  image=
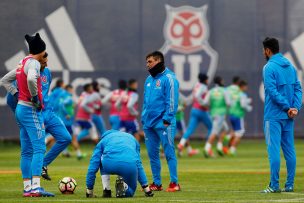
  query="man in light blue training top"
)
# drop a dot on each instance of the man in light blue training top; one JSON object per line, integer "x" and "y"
{"x": 283, "y": 100}
{"x": 158, "y": 118}
{"x": 117, "y": 153}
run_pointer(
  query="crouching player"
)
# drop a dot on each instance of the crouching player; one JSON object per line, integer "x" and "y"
{"x": 118, "y": 153}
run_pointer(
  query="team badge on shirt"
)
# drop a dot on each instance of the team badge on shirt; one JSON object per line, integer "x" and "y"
{"x": 44, "y": 79}
{"x": 157, "y": 86}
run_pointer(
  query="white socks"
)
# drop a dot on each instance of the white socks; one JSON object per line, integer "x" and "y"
{"x": 27, "y": 185}
{"x": 189, "y": 149}
{"x": 207, "y": 147}
{"x": 35, "y": 183}
{"x": 183, "y": 141}
{"x": 232, "y": 149}
{"x": 78, "y": 152}
{"x": 106, "y": 182}
{"x": 219, "y": 146}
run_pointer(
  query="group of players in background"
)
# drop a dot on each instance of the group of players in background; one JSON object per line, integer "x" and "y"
{"x": 210, "y": 107}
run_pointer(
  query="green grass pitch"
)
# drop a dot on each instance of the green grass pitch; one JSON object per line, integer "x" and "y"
{"x": 228, "y": 179}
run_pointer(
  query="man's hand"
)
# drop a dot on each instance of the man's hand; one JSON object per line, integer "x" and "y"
{"x": 292, "y": 112}
{"x": 90, "y": 193}
{"x": 36, "y": 102}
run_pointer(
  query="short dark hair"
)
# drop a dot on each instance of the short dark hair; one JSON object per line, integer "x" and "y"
{"x": 156, "y": 55}
{"x": 218, "y": 80}
{"x": 132, "y": 81}
{"x": 122, "y": 84}
{"x": 95, "y": 85}
{"x": 202, "y": 77}
{"x": 272, "y": 44}
{"x": 236, "y": 80}
{"x": 68, "y": 86}
{"x": 59, "y": 83}
{"x": 87, "y": 86}
{"x": 243, "y": 83}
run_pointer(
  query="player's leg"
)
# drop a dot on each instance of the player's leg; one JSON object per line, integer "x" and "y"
{"x": 114, "y": 122}
{"x": 66, "y": 152}
{"x": 99, "y": 124}
{"x": 273, "y": 132}
{"x": 216, "y": 129}
{"x": 152, "y": 142}
{"x": 239, "y": 131}
{"x": 193, "y": 122}
{"x": 55, "y": 126}
{"x": 287, "y": 143}
{"x": 77, "y": 129}
{"x": 223, "y": 133}
{"x": 129, "y": 173}
{"x": 207, "y": 121}
{"x": 166, "y": 135}
{"x": 85, "y": 128}
{"x": 94, "y": 134}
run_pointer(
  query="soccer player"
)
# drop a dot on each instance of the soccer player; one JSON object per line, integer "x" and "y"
{"x": 128, "y": 105}
{"x": 218, "y": 100}
{"x": 283, "y": 100}
{"x": 97, "y": 106}
{"x": 158, "y": 118}
{"x": 56, "y": 95}
{"x": 112, "y": 97}
{"x": 118, "y": 153}
{"x": 84, "y": 114}
{"x": 28, "y": 114}
{"x": 240, "y": 103}
{"x": 180, "y": 124}
{"x": 199, "y": 112}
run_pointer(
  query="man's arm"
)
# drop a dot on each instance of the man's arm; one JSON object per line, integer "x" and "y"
{"x": 32, "y": 70}
{"x": 7, "y": 82}
{"x": 270, "y": 86}
{"x": 245, "y": 102}
{"x": 297, "y": 101}
{"x": 94, "y": 166}
{"x": 206, "y": 100}
{"x": 132, "y": 101}
{"x": 171, "y": 99}
{"x": 107, "y": 98}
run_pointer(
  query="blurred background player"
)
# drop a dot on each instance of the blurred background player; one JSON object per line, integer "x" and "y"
{"x": 181, "y": 124}
{"x": 128, "y": 106}
{"x": 218, "y": 100}
{"x": 112, "y": 97}
{"x": 158, "y": 118}
{"x": 199, "y": 111}
{"x": 97, "y": 106}
{"x": 118, "y": 153}
{"x": 83, "y": 125}
{"x": 240, "y": 103}
{"x": 28, "y": 114}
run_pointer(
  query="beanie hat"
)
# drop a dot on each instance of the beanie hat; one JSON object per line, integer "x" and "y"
{"x": 36, "y": 44}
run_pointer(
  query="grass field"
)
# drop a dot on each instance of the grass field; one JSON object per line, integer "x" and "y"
{"x": 228, "y": 179}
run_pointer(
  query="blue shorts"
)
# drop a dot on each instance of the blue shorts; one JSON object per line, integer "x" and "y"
{"x": 235, "y": 123}
{"x": 129, "y": 126}
{"x": 84, "y": 124}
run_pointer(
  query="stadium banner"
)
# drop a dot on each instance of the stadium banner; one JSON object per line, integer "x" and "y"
{"x": 108, "y": 40}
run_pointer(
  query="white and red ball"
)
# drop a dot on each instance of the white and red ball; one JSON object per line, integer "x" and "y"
{"x": 67, "y": 185}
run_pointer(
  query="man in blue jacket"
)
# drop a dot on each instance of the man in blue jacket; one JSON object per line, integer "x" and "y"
{"x": 283, "y": 100}
{"x": 158, "y": 118}
{"x": 117, "y": 153}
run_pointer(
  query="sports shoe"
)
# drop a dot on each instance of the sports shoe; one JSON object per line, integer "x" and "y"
{"x": 226, "y": 150}
{"x": 40, "y": 192}
{"x": 180, "y": 148}
{"x": 107, "y": 193}
{"x": 45, "y": 174}
{"x": 155, "y": 187}
{"x": 287, "y": 189}
{"x": 26, "y": 193}
{"x": 220, "y": 152}
{"x": 120, "y": 187}
{"x": 208, "y": 154}
{"x": 66, "y": 154}
{"x": 173, "y": 187}
{"x": 270, "y": 190}
{"x": 193, "y": 152}
{"x": 82, "y": 156}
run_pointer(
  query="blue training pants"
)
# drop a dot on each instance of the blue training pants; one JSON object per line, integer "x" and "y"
{"x": 55, "y": 126}
{"x": 165, "y": 136}
{"x": 128, "y": 170}
{"x": 280, "y": 134}
{"x": 99, "y": 124}
{"x": 32, "y": 135}
{"x": 197, "y": 116}
{"x": 114, "y": 122}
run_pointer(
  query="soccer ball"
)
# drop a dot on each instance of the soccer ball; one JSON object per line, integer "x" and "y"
{"x": 67, "y": 185}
